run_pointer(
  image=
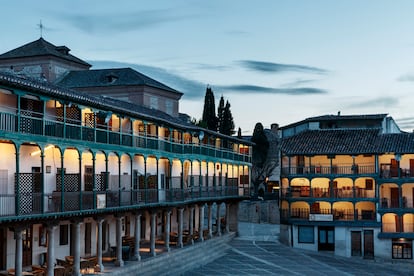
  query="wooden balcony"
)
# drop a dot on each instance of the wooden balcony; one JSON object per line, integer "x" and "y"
{"x": 329, "y": 170}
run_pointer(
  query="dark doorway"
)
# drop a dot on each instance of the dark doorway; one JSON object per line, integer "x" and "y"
{"x": 88, "y": 233}
{"x": 368, "y": 244}
{"x": 395, "y": 195}
{"x": 356, "y": 243}
{"x": 326, "y": 238}
{"x": 27, "y": 246}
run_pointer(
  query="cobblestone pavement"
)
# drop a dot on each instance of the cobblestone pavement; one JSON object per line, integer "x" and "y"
{"x": 250, "y": 257}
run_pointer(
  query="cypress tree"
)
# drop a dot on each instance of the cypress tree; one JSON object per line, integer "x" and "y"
{"x": 209, "y": 111}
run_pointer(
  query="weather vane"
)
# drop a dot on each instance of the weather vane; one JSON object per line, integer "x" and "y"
{"x": 40, "y": 25}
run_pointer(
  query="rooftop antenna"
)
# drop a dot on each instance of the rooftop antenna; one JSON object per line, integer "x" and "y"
{"x": 40, "y": 25}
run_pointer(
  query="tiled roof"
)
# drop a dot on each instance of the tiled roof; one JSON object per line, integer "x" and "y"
{"x": 110, "y": 77}
{"x": 347, "y": 141}
{"x": 337, "y": 141}
{"x": 102, "y": 103}
{"x": 42, "y": 47}
{"x": 396, "y": 143}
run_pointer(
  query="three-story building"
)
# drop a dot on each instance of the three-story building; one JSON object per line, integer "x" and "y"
{"x": 83, "y": 172}
{"x": 347, "y": 186}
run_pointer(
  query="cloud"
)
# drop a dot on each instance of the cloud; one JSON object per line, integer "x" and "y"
{"x": 406, "y": 78}
{"x": 270, "y": 90}
{"x": 377, "y": 102}
{"x": 270, "y": 67}
{"x": 405, "y": 123}
{"x": 298, "y": 82}
{"x": 195, "y": 90}
{"x": 104, "y": 23}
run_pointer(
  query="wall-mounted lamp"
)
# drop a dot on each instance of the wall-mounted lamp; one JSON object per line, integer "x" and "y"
{"x": 39, "y": 151}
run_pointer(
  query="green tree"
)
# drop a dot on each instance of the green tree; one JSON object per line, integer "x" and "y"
{"x": 227, "y": 123}
{"x": 220, "y": 114}
{"x": 209, "y": 112}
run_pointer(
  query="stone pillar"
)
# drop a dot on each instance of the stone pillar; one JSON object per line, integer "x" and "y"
{"x": 76, "y": 253}
{"x": 18, "y": 260}
{"x": 51, "y": 249}
{"x": 227, "y": 217}
{"x": 119, "y": 261}
{"x": 180, "y": 227}
{"x": 99, "y": 265}
{"x": 152, "y": 238}
{"x": 137, "y": 233}
{"x": 201, "y": 223}
{"x": 191, "y": 218}
{"x": 210, "y": 221}
{"x": 218, "y": 221}
{"x": 167, "y": 229}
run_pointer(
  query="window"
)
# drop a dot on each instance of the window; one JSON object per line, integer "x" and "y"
{"x": 169, "y": 107}
{"x": 64, "y": 234}
{"x": 369, "y": 184}
{"x": 306, "y": 234}
{"x": 154, "y": 102}
{"x": 402, "y": 249}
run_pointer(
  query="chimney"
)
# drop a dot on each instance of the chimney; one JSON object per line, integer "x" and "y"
{"x": 274, "y": 128}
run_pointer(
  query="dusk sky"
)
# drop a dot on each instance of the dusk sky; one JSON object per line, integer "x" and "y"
{"x": 275, "y": 61}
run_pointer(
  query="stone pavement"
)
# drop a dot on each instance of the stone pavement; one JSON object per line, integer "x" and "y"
{"x": 263, "y": 255}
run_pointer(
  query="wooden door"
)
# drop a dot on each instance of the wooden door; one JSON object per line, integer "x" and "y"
{"x": 27, "y": 238}
{"x": 300, "y": 164}
{"x": 411, "y": 167}
{"x": 368, "y": 244}
{"x": 326, "y": 238}
{"x": 395, "y": 198}
{"x": 356, "y": 246}
{"x": 394, "y": 167}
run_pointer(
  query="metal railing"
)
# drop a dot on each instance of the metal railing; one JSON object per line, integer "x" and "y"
{"x": 57, "y": 202}
{"x": 345, "y": 192}
{"x": 36, "y": 123}
{"x": 326, "y": 170}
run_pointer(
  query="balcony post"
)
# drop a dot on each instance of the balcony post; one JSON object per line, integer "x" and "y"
{"x": 153, "y": 215}
{"x": 119, "y": 262}
{"x": 17, "y": 186}
{"x": 99, "y": 265}
{"x": 167, "y": 229}
{"x": 80, "y": 181}
{"x": 76, "y": 253}
{"x": 94, "y": 180}
{"x": 42, "y": 182}
{"x": 191, "y": 222}
{"x": 119, "y": 180}
{"x": 62, "y": 182}
{"x": 182, "y": 180}
{"x": 137, "y": 237}
{"x": 180, "y": 227}
{"x": 227, "y": 217}
{"x": 18, "y": 260}
{"x": 51, "y": 227}
{"x": 210, "y": 220}
{"x": 200, "y": 181}
{"x": 201, "y": 222}
{"x": 218, "y": 222}
{"x": 145, "y": 180}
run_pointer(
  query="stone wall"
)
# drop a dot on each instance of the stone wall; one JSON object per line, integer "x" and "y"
{"x": 259, "y": 211}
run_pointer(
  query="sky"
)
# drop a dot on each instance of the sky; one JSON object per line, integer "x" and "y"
{"x": 274, "y": 61}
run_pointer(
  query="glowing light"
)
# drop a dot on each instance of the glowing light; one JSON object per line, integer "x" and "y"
{"x": 39, "y": 151}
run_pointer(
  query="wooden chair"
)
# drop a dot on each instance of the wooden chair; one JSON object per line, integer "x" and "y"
{"x": 59, "y": 271}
